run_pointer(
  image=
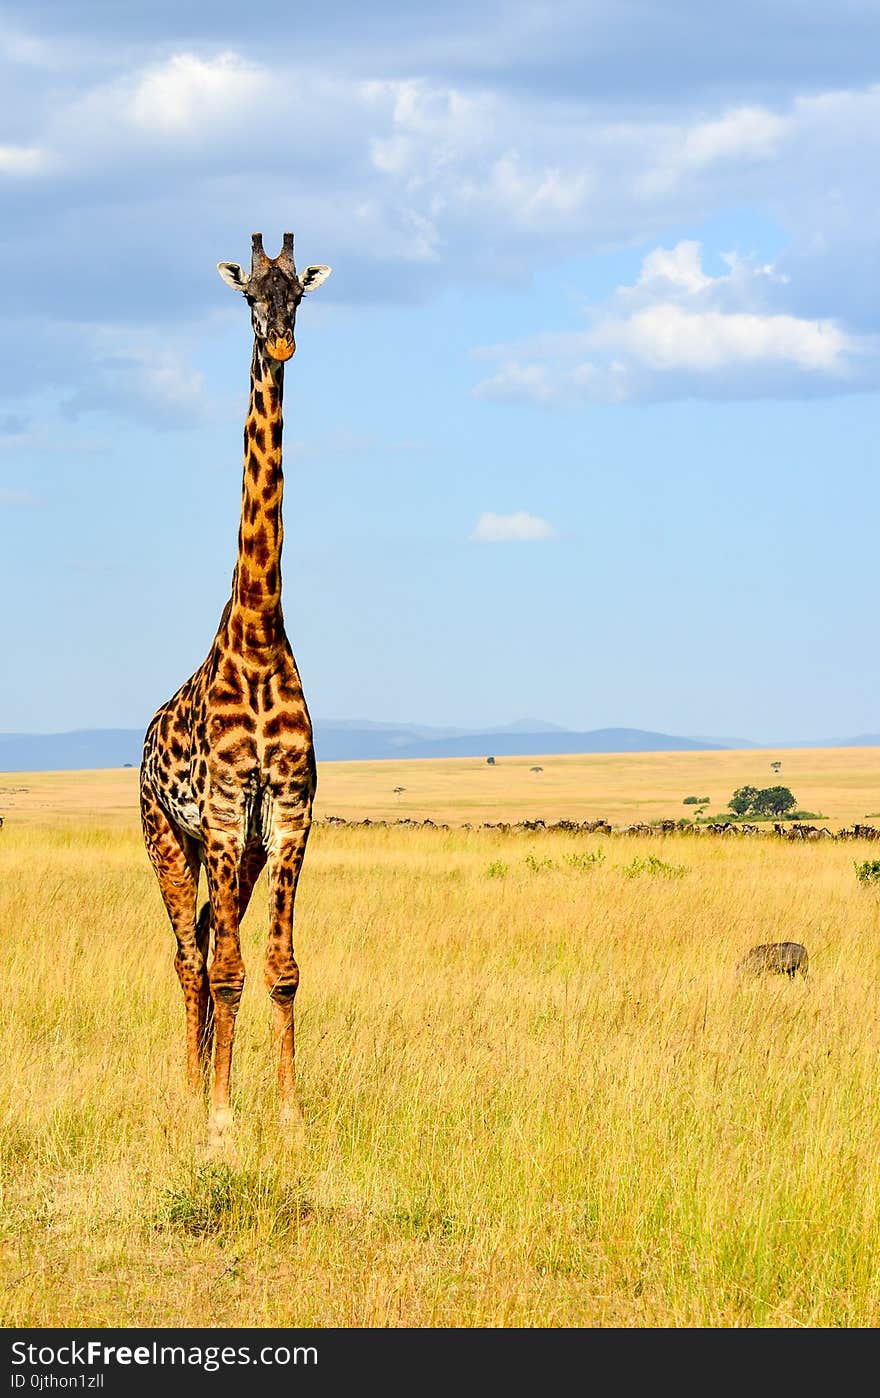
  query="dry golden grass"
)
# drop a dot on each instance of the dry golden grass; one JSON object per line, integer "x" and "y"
{"x": 536, "y": 1091}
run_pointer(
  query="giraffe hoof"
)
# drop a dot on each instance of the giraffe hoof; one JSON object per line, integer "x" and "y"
{"x": 292, "y": 1122}
{"x": 219, "y": 1127}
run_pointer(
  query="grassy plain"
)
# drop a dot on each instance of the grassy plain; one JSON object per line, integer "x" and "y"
{"x": 536, "y": 1091}
{"x": 841, "y": 784}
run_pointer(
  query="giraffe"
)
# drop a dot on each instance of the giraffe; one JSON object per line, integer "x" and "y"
{"x": 228, "y": 774}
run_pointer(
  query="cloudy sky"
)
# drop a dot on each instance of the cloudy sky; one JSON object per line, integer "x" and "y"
{"x": 584, "y": 424}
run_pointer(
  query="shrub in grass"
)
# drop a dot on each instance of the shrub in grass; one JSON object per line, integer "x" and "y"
{"x": 868, "y": 872}
{"x": 421, "y": 1219}
{"x": 587, "y": 860}
{"x": 215, "y": 1199}
{"x": 657, "y": 868}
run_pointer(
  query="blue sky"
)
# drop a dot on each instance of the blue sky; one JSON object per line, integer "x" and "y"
{"x": 582, "y": 427}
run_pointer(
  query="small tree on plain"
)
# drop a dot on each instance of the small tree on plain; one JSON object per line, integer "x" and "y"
{"x": 769, "y": 801}
{"x": 743, "y": 799}
{"x": 774, "y": 801}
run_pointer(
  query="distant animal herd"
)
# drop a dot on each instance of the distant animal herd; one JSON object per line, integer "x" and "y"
{"x": 793, "y": 830}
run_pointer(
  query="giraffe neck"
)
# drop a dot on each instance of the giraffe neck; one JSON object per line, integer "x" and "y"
{"x": 256, "y": 583}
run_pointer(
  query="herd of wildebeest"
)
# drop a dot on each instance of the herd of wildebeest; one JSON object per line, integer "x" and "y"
{"x": 787, "y": 830}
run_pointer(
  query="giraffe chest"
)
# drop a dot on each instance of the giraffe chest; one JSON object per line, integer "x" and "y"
{"x": 255, "y": 721}
{"x": 248, "y": 763}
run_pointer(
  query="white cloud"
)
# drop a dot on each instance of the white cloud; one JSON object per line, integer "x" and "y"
{"x": 449, "y": 164}
{"x": 744, "y": 133}
{"x": 536, "y": 196}
{"x": 418, "y": 183}
{"x": 678, "y": 331}
{"x": 515, "y": 382}
{"x": 667, "y": 336}
{"x": 24, "y": 160}
{"x": 516, "y": 528}
{"x": 168, "y": 381}
{"x": 421, "y": 113}
{"x": 680, "y": 266}
{"x": 188, "y": 91}
{"x": 128, "y": 371}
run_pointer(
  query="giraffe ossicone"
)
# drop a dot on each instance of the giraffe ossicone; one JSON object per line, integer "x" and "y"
{"x": 228, "y": 774}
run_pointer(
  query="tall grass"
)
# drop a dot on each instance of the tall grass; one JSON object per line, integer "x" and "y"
{"x": 535, "y": 1097}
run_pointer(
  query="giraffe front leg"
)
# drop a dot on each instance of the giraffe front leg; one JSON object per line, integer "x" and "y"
{"x": 282, "y": 972}
{"x": 252, "y": 864}
{"x": 175, "y": 860}
{"x": 227, "y": 973}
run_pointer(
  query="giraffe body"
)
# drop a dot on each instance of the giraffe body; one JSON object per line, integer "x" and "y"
{"x": 228, "y": 774}
{"x": 260, "y": 782}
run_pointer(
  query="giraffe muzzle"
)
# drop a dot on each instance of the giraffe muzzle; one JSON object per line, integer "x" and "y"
{"x": 281, "y": 346}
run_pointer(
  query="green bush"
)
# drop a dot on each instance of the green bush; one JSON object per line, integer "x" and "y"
{"x": 589, "y": 859}
{"x": 217, "y": 1199}
{"x": 868, "y": 872}
{"x": 657, "y": 868}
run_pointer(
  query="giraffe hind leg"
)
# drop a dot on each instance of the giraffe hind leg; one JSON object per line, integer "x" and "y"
{"x": 206, "y": 1004}
{"x": 174, "y": 857}
{"x": 282, "y": 972}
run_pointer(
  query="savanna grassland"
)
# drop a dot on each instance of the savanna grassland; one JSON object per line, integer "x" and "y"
{"x": 536, "y": 1091}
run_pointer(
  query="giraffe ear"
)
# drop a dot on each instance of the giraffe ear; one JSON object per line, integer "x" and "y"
{"x": 233, "y": 275}
{"x": 313, "y": 276}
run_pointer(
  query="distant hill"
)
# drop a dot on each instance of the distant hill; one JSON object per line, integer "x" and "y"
{"x": 355, "y": 740}
{"x": 507, "y": 743}
{"x": 68, "y": 752}
{"x": 341, "y": 741}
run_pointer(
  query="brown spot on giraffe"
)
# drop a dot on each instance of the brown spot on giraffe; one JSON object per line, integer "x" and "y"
{"x": 228, "y": 773}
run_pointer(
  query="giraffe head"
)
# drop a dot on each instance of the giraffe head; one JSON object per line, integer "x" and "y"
{"x": 274, "y": 290}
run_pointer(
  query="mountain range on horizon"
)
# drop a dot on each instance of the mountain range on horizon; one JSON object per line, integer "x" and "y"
{"x": 360, "y": 740}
